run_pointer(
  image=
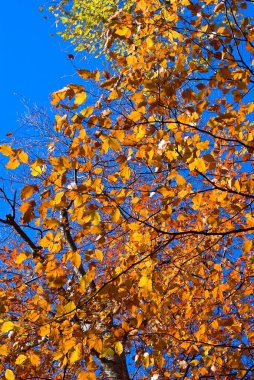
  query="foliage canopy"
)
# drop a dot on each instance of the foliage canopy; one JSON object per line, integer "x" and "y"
{"x": 143, "y": 205}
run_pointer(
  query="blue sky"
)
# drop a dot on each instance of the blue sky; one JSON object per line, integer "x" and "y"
{"x": 33, "y": 63}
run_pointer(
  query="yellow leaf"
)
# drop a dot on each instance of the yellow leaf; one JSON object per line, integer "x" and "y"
{"x": 145, "y": 283}
{"x": 4, "y": 350}
{"x": 9, "y": 375}
{"x": 98, "y": 254}
{"x": 86, "y": 376}
{"x": 23, "y": 156}
{"x": 180, "y": 180}
{"x": 107, "y": 352}
{"x": 118, "y": 348}
{"x": 35, "y": 359}
{"x": 247, "y": 246}
{"x": 198, "y": 164}
{"x": 58, "y": 197}
{"x": 134, "y": 116}
{"x": 177, "y": 375}
{"x": 126, "y": 173}
{"x": 123, "y": 31}
{"x": 215, "y": 324}
{"x": 217, "y": 267}
{"x": 20, "y": 359}
{"x": 51, "y": 223}
{"x": 6, "y": 150}
{"x": 76, "y": 259}
{"x": 36, "y": 170}
{"x": 80, "y": 98}
{"x": 98, "y": 345}
{"x": 149, "y": 42}
{"x": 116, "y": 215}
{"x": 69, "y": 344}
{"x": 70, "y": 308}
{"x": 12, "y": 164}
{"x": 115, "y": 94}
{"x": 21, "y": 257}
{"x": 44, "y": 330}
{"x": 194, "y": 363}
{"x": 200, "y": 331}
{"x": 96, "y": 218}
{"x": 197, "y": 201}
{"x": 87, "y": 111}
{"x": 61, "y": 95}
{"x": 113, "y": 143}
{"x": 85, "y": 74}
{"x": 7, "y": 326}
{"x": 76, "y": 354}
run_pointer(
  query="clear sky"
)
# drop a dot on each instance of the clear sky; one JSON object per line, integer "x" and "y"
{"x": 33, "y": 63}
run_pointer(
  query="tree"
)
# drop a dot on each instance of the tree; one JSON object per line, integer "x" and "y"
{"x": 86, "y": 24}
{"x": 133, "y": 248}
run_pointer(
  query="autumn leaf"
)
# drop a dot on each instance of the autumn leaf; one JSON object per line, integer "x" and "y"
{"x": 76, "y": 354}
{"x": 98, "y": 254}
{"x": 86, "y": 376}
{"x": 9, "y": 375}
{"x": 6, "y": 150}
{"x": 80, "y": 98}
{"x": 20, "y": 359}
{"x": 28, "y": 191}
{"x": 118, "y": 348}
{"x": 145, "y": 283}
{"x": 12, "y": 164}
{"x": 7, "y": 326}
{"x": 128, "y": 225}
{"x": 4, "y": 350}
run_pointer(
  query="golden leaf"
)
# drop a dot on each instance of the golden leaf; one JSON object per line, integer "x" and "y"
{"x": 28, "y": 191}
{"x": 69, "y": 309}
{"x": 96, "y": 218}
{"x": 4, "y": 350}
{"x": 80, "y": 98}
{"x": 145, "y": 283}
{"x": 98, "y": 345}
{"x": 34, "y": 359}
{"x": 44, "y": 330}
{"x": 57, "y": 96}
{"x": 6, "y": 150}
{"x": 76, "y": 259}
{"x": 98, "y": 254}
{"x": 123, "y": 31}
{"x": 107, "y": 352}
{"x": 36, "y": 170}
{"x": 22, "y": 257}
{"x": 114, "y": 144}
{"x": 194, "y": 363}
{"x": 69, "y": 344}
{"x": 12, "y": 164}
{"x": 116, "y": 215}
{"x": 9, "y": 375}
{"x": 7, "y": 326}
{"x": 86, "y": 376}
{"x": 118, "y": 348}
{"x": 87, "y": 111}
{"x": 134, "y": 116}
{"x": 247, "y": 246}
{"x": 20, "y": 359}
{"x": 76, "y": 354}
{"x": 23, "y": 156}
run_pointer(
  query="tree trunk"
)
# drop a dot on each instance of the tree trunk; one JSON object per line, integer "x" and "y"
{"x": 115, "y": 367}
